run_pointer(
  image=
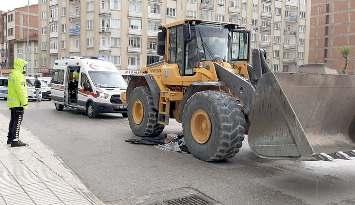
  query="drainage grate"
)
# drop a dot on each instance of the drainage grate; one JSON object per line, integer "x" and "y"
{"x": 187, "y": 200}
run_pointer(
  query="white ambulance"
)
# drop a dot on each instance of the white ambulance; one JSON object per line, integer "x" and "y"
{"x": 92, "y": 85}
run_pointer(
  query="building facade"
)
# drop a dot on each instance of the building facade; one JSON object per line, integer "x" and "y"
{"x": 20, "y": 37}
{"x": 332, "y": 29}
{"x": 125, "y": 31}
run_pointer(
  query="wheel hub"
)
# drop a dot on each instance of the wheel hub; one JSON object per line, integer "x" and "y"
{"x": 138, "y": 112}
{"x": 201, "y": 126}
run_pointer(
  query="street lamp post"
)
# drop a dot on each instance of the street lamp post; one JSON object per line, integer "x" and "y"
{"x": 28, "y": 55}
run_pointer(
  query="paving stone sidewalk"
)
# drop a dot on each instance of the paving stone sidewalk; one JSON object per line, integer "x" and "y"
{"x": 33, "y": 175}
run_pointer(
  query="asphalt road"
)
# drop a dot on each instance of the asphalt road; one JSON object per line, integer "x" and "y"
{"x": 117, "y": 172}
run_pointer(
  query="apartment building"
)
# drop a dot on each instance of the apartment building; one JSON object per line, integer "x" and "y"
{"x": 332, "y": 28}
{"x": 20, "y": 37}
{"x": 125, "y": 31}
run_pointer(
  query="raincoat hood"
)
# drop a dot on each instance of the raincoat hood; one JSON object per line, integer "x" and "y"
{"x": 19, "y": 65}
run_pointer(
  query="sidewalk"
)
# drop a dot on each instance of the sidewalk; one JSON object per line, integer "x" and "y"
{"x": 33, "y": 175}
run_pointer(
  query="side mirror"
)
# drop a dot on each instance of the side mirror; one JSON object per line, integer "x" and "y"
{"x": 161, "y": 43}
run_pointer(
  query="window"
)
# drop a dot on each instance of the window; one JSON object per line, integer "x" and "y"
{"x": 90, "y": 42}
{"x": 191, "y": 14}
{"x": 154, "y": 8}
{"x": 44, "y": 15}
{"x": 44, "y": 30}
{"x": 152, "y": 59}
{"x": 134, "y": 60}
{"x": 152, "y": 45}
{"x": 115, "y": 4}
{"x": 276, "y": 67}
{"x": 64, "y": 11}
{"x": 172, "y": 41}
{"x": 135, "y": 41}
{"x": 326, "y": 42}
{"x": 62, "y": 44}
{"x": 77, "y": 43}
{"x": 115, "y": 23}
{"x": 153, "y": 25}
{"x": 115, "y": 42}
{"x": 10, "y": 18}
{"x": 90, "y": 24}
{"x": 64, "y": 28}
{"x": 135, "y": 6}
{"x": 135, "y": 24}
{"x": 84, "y": 81}
{"x": 90, "y": 6}
{"x": 116, "y": 60}
{"x": 171, "y": 12}
{"x": 58, "y": 77}
{"x": 10, "y": 32}
{"x": 301, "y": 55}
{"x": 276, "y": 54}
{"x": 220, "y": 17}
{"x": 327, "y": 19}
{"x": 278, "y": 11}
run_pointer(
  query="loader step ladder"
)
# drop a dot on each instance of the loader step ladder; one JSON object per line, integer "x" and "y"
{"x": 164, "y": 108}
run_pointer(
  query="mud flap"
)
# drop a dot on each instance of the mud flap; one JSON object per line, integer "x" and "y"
{"x": 303, "y": 115}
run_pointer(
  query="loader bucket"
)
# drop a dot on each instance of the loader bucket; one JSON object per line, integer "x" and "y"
{"x": 303, "y": 115}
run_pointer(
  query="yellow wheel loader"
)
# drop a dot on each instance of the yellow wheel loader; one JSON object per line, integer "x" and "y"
{"x": 206, "y": 83}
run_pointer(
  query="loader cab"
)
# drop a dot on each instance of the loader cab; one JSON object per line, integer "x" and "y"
{"x": 189, "y": 43}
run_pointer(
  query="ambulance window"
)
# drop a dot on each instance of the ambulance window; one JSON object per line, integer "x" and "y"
{"x": 58, "y": 77}
{"x": 85, "y": 83}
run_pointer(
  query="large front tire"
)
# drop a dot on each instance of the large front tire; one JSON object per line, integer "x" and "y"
{"x": 142, "y": 115}
{"x": 214, "y": 125}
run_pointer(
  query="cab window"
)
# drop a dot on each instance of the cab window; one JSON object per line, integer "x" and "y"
{"x": 240, "y": 45}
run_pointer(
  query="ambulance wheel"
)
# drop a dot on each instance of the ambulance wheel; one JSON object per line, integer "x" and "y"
{"x": 59, "y": 107}
{"x": 124, "y": 114}
{"x": 91, "y": 110}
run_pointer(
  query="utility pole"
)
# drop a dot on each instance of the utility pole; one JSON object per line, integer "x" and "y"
{"x": 28, "y": 54}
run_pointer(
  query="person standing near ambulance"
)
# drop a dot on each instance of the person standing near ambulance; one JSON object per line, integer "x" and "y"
{"x": 17, "y": 101}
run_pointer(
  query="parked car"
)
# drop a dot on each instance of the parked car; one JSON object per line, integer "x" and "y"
{"x": 31, "y": 90}
{"x": 46, "y": 90}
{"x": 3, "y": 87}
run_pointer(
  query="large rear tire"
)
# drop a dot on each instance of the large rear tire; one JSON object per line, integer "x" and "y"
{"x": 214, "y": 125}
{"x": 142, "y": 115}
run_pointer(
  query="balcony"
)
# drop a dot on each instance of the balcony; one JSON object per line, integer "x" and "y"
{"x": 206, "y": 6}
{"x": 53, "y": 2}
{"x": 234, "y": 9}
{"x": 53, "y": 35}
{"x": 105, "y": 48}
{"x": 133, "y": 49}
{"x": 133, "y": 68}
{"x": 134, "y": 31}
{"x": 53, "y": 51}
{"x": 265, "y": 15}
{"x": 74, "y": 30}
{"x": 134, "y": 13}
{"x": 152, "y": 33}
{"x": 154, "y": 15}
{"x": 105, "y": 30}
{"x": 292, "y": 19}
{"x": 290, "y": 46}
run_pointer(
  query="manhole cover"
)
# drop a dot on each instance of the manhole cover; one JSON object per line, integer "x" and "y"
{"x": 179, "y": 196}
{"x": 188, "y": 200}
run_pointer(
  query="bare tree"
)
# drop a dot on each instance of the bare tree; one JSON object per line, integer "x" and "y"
{"x": 345, "y": 52}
